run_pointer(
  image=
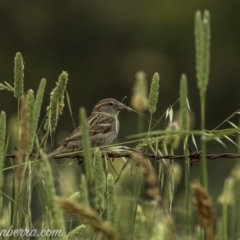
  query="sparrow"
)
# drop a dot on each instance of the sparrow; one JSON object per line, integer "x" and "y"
{"x": 103, "y": 127}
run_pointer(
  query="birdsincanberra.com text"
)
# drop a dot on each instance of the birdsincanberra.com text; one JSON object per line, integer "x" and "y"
{"x": 10, "y": 232}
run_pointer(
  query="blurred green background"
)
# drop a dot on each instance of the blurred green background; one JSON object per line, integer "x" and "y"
{"x": 102, "y": 44}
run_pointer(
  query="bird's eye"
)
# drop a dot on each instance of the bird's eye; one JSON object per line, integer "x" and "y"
{"x": 110, "y": 104}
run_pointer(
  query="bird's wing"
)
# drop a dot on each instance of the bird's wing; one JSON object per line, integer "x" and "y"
{"x": 96, "y": 123}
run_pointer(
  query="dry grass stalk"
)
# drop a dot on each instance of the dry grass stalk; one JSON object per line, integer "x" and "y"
{"x": 149, "y": 176}
{"x": 88, "y": 216}
{"x": 204, "y": 208}
{"x": 153, "y": 190}
{"x": 23, "y": 140}
{"x": 22, "y": 148}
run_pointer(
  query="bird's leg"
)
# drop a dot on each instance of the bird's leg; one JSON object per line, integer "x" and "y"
{"x": 80, "y": 159}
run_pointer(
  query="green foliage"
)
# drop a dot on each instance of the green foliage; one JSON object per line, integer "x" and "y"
{"x": 153, "y": 95}
{"x": 30, "y": 108}
{"x": 18, "y": 76}
{"x": 184, "y": 103}
{"x": 75, "y": 197}
{"x": 76, "y": 232}
{"x": 202, "y": 44}
{"x": 99, "y": 180}
{"x": 56, "y": 105}
{"x": 7, "y": 87}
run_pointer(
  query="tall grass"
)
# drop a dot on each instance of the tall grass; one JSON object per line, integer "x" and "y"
{"x": 202, "y": 44}
{"x": 107, "y": 199}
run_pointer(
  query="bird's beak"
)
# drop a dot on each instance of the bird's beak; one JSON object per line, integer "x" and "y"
{"x": 121, "y": 106}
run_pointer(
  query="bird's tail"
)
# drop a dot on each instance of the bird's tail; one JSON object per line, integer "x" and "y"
{"x": 56, "y": 152}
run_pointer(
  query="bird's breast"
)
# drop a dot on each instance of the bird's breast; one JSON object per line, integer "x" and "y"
{"x": 116, "y": 124}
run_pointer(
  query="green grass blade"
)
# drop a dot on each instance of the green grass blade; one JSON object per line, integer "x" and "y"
{"x": 86, "y": 145}
{"x": 57, "y": 213}
{"x": 185, "y": 127}
{"x": 111, "y": 204}
{"x": 84, "y": 191}
{"x": 2, "y": 145}
{"x": 36, "y": 114}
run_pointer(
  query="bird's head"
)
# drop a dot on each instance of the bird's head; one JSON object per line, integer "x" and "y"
{"x": 109, "y": 105}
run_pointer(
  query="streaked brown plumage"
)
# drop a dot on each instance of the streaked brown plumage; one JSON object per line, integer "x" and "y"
{"x": 102, "y": 124}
